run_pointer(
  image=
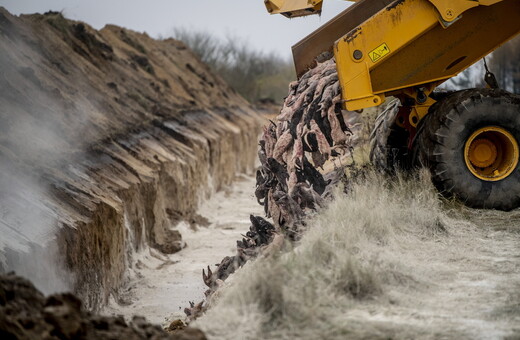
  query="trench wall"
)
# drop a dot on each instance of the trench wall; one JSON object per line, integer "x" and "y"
{"x": 120, "y": 136}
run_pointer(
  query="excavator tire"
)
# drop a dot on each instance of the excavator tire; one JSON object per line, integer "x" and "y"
{"x": 389, "y": 142}
{"x": 470, "y": 141}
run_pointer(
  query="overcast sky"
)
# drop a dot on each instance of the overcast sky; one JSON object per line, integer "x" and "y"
{"x": 246, "y": 19}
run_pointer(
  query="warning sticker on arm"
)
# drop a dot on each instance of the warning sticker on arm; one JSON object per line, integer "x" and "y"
{"x": 379, "y": 52}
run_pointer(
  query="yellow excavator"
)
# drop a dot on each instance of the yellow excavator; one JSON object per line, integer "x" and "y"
{"x": 406, "y": 48}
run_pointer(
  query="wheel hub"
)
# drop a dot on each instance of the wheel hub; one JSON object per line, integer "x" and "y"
{"x": 491, "y": 153}
{"x": 482, "y": 153}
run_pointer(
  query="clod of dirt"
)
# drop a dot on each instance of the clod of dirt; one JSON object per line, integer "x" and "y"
{"x": 176, "y": 325}
{"x": 172, "y": 242}
{"x": 26, "y": 314}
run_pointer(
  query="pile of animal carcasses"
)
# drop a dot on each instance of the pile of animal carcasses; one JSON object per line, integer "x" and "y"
{"x": 310, "y": 129}
{"x": 257, "y": 240}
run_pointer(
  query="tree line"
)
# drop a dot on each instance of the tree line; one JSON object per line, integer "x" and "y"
{"x": 255, "y": 74}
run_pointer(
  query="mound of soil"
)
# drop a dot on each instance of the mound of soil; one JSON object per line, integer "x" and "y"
{"x": 26, "y": 314}
{"x": 108, "y": 139}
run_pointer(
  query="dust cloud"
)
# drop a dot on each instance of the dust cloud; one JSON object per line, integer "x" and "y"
{"x": 28, "y": 222}
{"x": 30, "y": 147}
{"x": 28, "y": 226}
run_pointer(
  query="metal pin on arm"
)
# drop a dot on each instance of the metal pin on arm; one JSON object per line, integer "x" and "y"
{"x": 489, "y": 77}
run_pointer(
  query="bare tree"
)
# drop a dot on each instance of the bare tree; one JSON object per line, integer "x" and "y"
{"x": 254, "y": 74}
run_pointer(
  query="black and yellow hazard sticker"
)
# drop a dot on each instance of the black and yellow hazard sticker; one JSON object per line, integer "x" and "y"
{"x": 379, "y": 52}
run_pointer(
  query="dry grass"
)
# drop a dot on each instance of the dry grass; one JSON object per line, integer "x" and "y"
{"x": 255, "y": 74}
{"x": 389, "y": 260}
{"x": 353, "y": 252}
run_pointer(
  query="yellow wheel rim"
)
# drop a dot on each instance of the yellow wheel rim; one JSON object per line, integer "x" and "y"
{"x": 491, "y": 153}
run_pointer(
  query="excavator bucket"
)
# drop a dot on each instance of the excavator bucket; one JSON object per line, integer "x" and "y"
{"x": 294, "y": 8}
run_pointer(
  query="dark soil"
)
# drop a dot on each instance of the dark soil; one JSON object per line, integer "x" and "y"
{"x": 26, "y": 314}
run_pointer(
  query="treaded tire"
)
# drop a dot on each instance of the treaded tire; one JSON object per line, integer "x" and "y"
{"x": 389, "y": 142}
{"x": 441, "y": 138}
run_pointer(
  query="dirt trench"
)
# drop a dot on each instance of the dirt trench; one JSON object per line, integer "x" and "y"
{"x": 108, "y": 139}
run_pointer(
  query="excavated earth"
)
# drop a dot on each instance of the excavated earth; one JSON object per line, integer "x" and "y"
{"x": 26, "y": 314}
{"x": 108, "y": 139}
